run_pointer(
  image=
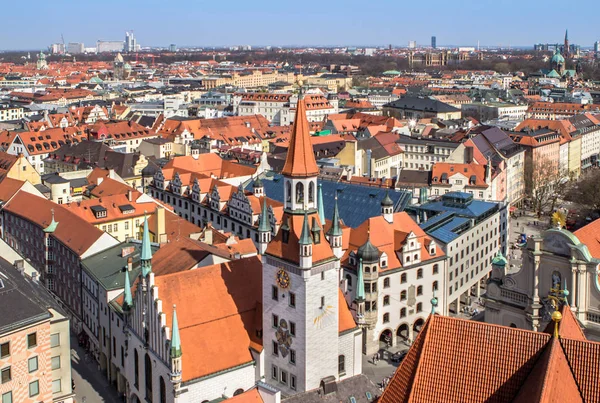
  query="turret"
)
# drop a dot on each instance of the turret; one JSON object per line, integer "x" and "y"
{"x": 499, "y": 264}
{"x": 306, "y": 245}
{"x": 334, "y": 235}
{"x": 175, "y": 353}
{"x": 127, "y": 297}
{"x": 264, "y": 229}
{"x": 387, "y": 208}
{"x": 258, "y": 188}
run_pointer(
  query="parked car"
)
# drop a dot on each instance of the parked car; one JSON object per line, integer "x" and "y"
{"x": 399, "y": 356}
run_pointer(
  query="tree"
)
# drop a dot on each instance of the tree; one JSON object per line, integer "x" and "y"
{"x": 545, "y": 184}
{"x": 587, "y": 190}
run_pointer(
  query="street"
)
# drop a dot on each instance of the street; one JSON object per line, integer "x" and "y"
{"x": 90, "y": 385}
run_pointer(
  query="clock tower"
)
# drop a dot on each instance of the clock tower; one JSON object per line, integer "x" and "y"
{"x": 301, "y": 280}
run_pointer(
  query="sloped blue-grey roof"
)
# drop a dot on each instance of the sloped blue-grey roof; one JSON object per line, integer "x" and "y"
{"x": 356, "y": 203}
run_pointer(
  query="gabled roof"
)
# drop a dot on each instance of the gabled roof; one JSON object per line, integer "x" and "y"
{"x": 300, "y": 160}
{"x": 220, "y": 335}
{"x": 458, "y": 360}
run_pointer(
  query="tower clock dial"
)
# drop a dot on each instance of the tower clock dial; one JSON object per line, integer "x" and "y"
{"x": 283, "y": 279}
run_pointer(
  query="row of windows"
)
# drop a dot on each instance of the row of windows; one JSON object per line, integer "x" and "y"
{"x": 386, "y": 316}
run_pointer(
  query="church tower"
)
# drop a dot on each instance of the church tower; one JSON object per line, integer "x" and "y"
{"x": 566, "y": 50}
{"x": 301, "y": 279}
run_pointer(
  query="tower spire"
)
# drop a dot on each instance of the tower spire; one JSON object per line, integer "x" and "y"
{"x": 175, "y": 340}
{"x": 128, "y": 299}
{"x": 321, "y": 207}
{"x": 300, "y": 160}
{"x": 146, "y": 257}
{"x": 335, "y": 229}
{"x": 263, "y": 224}
{"x": 305, "y": 238}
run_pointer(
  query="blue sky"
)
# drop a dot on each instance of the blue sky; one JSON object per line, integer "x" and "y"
{"x": 38, "y": 23}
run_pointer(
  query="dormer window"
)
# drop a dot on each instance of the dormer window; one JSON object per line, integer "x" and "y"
{"x": 99, "y": 211}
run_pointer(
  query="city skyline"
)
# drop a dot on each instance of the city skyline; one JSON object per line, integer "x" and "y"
{"x": 264, "y": 23}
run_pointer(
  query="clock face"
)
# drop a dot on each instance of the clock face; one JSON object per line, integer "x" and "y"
{"x": 283, "y": 279}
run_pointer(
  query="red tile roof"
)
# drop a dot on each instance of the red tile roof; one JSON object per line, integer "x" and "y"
{"x": 218, "y": 336}
{"x": 300, "y": 160}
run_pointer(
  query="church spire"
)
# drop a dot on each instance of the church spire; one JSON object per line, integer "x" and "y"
{"x": 300, "y": 160}
{"x": 320, "y": 206}
{"x": 146, "y": 257}
{"x": 305, "y": 238}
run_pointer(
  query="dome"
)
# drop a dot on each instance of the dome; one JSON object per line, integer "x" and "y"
{"x": 368, "y": 252}
{"x": 499, "y": 260}
{"x": 257, "y": 183}
{"x": 558, "y": 58}
{"x": 387, "y": 200}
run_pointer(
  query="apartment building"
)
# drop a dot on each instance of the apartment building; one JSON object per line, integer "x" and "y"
{"x": 470, "y": 232}
{"x": 421, "y": 153}
{"x": 10, "y": 112}
{"x": 35, "y": 353}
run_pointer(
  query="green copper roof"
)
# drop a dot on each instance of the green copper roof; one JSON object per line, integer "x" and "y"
{"x": 263, "y": 224}
{"x": 321, "y": 206}
{"x": 360, "y": 282}
{"x": 305, "y": 238}
{"x": 557, "y": 58}
{"x": 52, "y": 226}
{"x": 128, "y": 299}
{"x": 175, "y": 340}
{"x": 499, "y": 259}
{"x": 146, "y": 256}
{"x": 335, "y": 229}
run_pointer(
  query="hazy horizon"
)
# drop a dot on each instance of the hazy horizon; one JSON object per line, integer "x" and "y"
{"x": 190, "y": 23}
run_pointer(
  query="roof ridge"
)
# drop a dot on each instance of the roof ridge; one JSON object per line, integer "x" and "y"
{"x": 562, "y": 348}
{"x": 426, "y": 327}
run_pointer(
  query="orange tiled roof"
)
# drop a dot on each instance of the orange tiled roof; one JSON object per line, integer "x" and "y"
{"x": 113, "y": 205}
{"x": 250, "y": 396}
{"x": 110, "y": 187}
{"x": 220, "y": 335}
{"x": 467, "y": 170}
{"x": 210, "y": 164}
{"x": 72, "y": 231}
{"x": 290, "y": 250}
{"x": 346, "y": 320}
{"x": 457, "y": 360}
{"x": 300, "y": 160}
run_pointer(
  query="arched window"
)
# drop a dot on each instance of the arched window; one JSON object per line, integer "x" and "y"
{"x": 420, "y": 290}
{"x": 136, "y": 366}
{"x": 420, "y": 273}
{"x": 163, "y": 391}
{"x": 403, "y": 278}
{"x": 386, "y": 300}
{"x": 238, "y": 392}
{"x": 419, "y": 307}
{"x": 311, "y": 192}
{"x": 349, "y": 280}
{"x": 300, "y": 193}
{"x": 386, "y": 282}
{"x": 434, "y": 287}
{"x": 403, "y": 296}
{"x": 386, "y": 317}
{"x": 408, "y": 258}
{"x": 148, "y": 376}
{"x": 288, "y": 196}
{"x": 367, "y": 269}
{"x": 403, "y": 312}
{"x": 435, "y": 268}
{"x": 416, "y": 257}
{"x": 513, "y": 325}
{"x": 341, "y": 364}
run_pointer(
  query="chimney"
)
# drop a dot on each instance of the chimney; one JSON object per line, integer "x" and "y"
{"x": 20, "y": 265}
{"x": 161, "y": 233}
{"x": 129, "y": 263}
{"x": 130, "y": 195}
{"x": 468, "y": 154}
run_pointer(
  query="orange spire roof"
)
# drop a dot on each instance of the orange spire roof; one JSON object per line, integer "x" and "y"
{"x": 300, "y": 160}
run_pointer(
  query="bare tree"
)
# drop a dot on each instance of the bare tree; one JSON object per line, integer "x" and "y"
{"x": 545, "y": 184}
{"x": 586, "y": 191}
